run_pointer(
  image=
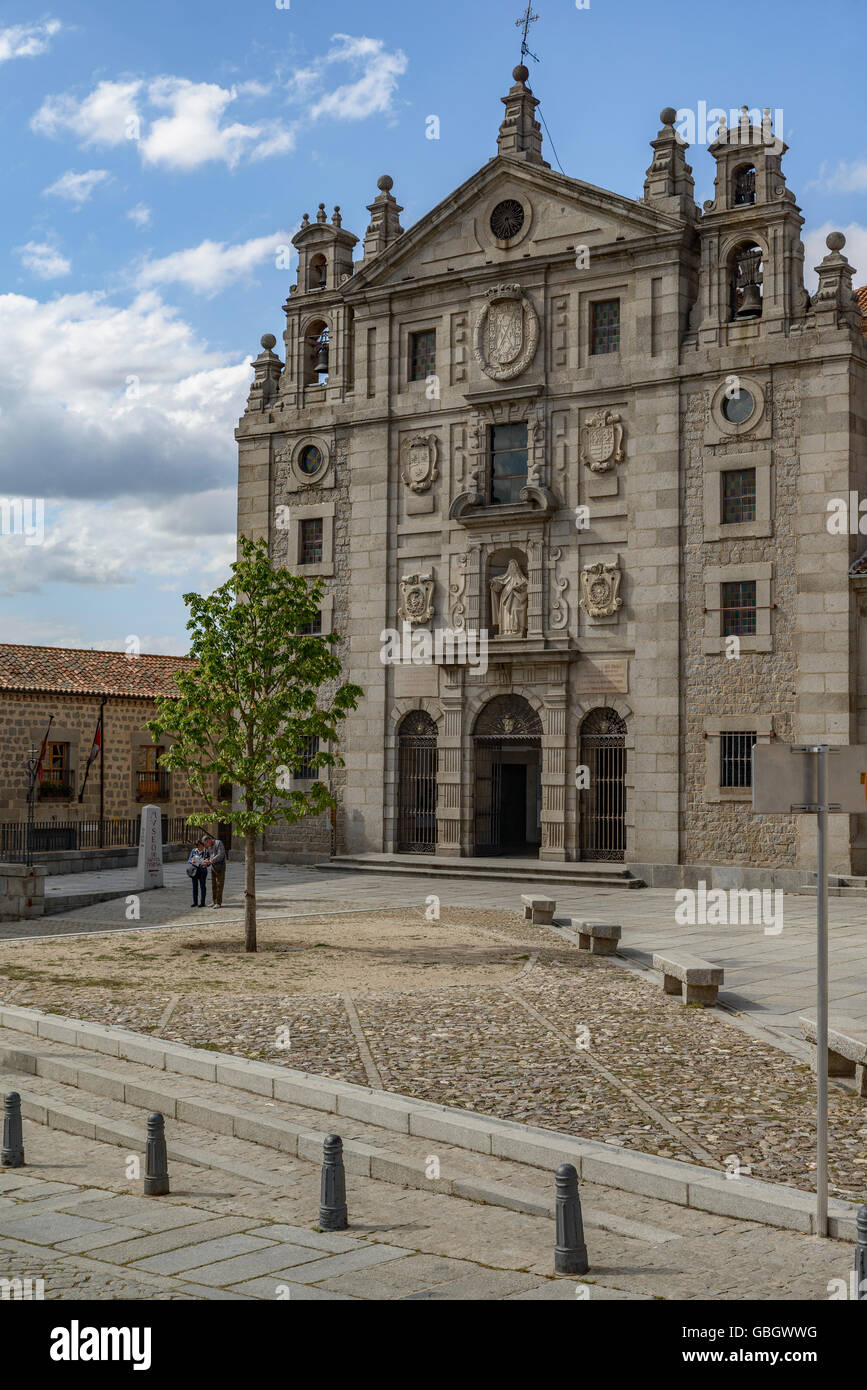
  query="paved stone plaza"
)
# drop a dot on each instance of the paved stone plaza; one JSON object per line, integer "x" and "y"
{"x": 481, "y": 1011}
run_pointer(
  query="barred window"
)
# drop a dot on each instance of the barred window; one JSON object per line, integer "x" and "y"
{"x": 310, "y": 541}
{"x": 736, "y": 759}
{"x": 738, "y": 495}
{"x": 605, "y": 334}
{"x": 739, "y": 608}
{"x": 306, "y": 770}
{"x": 422, "y": 354}
{"x": 313, "y": 628}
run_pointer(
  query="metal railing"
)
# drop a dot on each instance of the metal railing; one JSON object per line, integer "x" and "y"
{"x": 53, "y": 837}
{"x": 154, "y": 785}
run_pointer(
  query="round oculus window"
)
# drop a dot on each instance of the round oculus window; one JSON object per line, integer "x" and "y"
{"x": 310, "y": 460}
{"x": 507, "y": 219}
{"x": 739, "y": 407}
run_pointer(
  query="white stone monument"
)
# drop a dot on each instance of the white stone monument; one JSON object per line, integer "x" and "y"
{"x": 150, "y": 849}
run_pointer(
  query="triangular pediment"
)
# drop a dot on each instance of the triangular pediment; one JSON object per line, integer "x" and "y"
{"x": 559, "y": 213}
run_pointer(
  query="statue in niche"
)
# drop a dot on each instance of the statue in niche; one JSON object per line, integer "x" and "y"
{"x": 509, "y": 601}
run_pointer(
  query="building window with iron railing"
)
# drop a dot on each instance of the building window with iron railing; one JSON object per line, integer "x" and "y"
{"x": 605, "y": 327}
{"x": 152, "y": 781}
{"x": 738, "y": 608}
{"x": 508, "y": 462}
{"x": 310, "y": 541}
{"x": 306, "y": 769}
{"x": 738, "y": 495}
{"x": 422, "y": 354}
{"x": 736, "y": 759}
{"x": 56, "y": 777}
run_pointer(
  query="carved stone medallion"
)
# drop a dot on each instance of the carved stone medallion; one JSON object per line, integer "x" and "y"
{"x": 602, "y": 441}
{"x": 418, "y": 467}
{"x": 507, "y": 333}
{"x": 600, "y": 589}
{"x": 416, "y": 598}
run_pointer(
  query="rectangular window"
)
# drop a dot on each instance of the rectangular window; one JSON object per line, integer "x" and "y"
{"x": 153, "y": 781}
{"x": 736, "y": 759}
{"x": 55, "y": 764}
{"x": 422, "y": 354}
{"x": 508, "y": 462}
{"x": 310, "y": 541}
{"x": 306, "y": 770}
{"x": 605, "y": 326}
{"x": 738, "y": 608}
{"x": 313, "y": 628}
{"x": 738, "y": 496}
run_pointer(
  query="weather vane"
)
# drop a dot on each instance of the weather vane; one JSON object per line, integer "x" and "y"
{"x": 524, "y": 22}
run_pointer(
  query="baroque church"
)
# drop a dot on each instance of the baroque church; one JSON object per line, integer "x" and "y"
{"x": 563, "y": 460}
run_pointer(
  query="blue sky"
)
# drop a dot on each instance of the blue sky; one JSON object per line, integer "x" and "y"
{"x": 155, "y": 156}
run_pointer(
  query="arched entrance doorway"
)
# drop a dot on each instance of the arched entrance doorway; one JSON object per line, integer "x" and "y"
{"x": 417, "y": 784}
{"x": 603, "y": 801}
{"x": 507, "y": 742}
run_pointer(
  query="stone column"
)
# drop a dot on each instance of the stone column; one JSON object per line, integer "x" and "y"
{"x": 554, "y": 776}
{"x": 449, "y": 762}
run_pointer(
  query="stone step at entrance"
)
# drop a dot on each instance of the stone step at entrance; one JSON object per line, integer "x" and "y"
{"x": 587, "y": 874}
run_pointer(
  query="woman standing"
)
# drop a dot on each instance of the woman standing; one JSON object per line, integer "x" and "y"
{"x": 198, "y": 861}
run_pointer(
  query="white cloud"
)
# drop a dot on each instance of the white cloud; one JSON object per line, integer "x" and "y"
{"x": 192, "y": 134}
{"x": 212, "y": 265}
{"x": 855, "y": 251}
{"x": 108, "y": 116}
{"x": 372, "y": 90}
{"x": 140, "y": 215}
{"x": 848, "y": 177}
{"x": 27, "y": 40}
{"x": 44, "y": 260}
{"x": 78, "y": 188}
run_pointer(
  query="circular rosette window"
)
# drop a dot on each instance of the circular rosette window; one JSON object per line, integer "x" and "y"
{"x": 310, "y": 460}
{"x": 507, "y": 219}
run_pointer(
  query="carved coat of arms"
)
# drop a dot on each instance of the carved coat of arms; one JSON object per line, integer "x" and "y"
{"x": 506, "y": 334}
{"x": 602, "y": 444}
{"x": 416, "y": 598}
{"x": 418, "y": 467}
{"x": 600, "y": 590}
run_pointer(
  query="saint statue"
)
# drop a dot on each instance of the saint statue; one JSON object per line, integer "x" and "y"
{"x": 509, "y": 602}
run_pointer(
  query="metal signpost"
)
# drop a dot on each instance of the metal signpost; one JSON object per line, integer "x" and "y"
{"x": 812, "y": 782}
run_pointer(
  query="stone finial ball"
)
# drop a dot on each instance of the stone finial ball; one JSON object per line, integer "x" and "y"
{"x": 668, "y": 115}
{"x": 268, "y": 341}
{"x": 835, "y": 241}
{"x": 385, "y": 182}
{"x": 520, "y": 73}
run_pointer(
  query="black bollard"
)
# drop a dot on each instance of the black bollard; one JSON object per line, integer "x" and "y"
{"x": 156, "y": 1181}
{"x": 333, "y": 1215}
{"x": 570, "y": 1252}
{"x": 861, "y": 1255}
{"x": 13, "y": 1135}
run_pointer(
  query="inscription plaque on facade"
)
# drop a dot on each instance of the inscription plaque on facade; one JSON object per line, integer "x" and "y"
{"x": 602, "y": 676}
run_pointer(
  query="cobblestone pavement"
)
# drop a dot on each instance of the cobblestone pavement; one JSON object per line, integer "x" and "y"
{"x": 73, "y": 1219}
{"x": 491, "y": 1014}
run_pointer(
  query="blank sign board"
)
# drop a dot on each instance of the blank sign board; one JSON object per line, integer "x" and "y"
{"x": 784, "y": 777}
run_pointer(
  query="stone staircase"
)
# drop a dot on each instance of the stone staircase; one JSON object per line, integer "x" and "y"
{"x": 529, "y": 873}
{"x": 851, "y": 886}
{"x": 253, "y": 1119}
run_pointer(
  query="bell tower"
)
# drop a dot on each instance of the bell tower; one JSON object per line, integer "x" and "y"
{"x": 752, "y": 258}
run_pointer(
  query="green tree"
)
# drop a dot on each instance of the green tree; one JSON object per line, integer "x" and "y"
{"x": 262, "y": 698}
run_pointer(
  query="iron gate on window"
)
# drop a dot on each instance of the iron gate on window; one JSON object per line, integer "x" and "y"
{"x": 603, "y": 803}
{"x": 417, "y": 784}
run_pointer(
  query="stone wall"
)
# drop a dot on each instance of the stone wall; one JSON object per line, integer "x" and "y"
{"x": 22, "y": 891}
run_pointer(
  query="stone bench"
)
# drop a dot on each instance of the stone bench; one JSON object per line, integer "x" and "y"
{"x": 599, "y": 938}
{"x": 540, "y": 910}
{"x": 847, "y": 1048}
{"x": 694, "y": 979}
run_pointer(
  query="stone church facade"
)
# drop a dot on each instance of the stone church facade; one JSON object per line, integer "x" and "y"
{"x": 573, "y": 452}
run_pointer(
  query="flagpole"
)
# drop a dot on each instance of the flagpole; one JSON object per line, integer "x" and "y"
{"x": 101, "y": 771}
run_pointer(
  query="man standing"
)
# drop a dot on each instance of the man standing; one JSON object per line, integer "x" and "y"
{"x": 217, "y": 860}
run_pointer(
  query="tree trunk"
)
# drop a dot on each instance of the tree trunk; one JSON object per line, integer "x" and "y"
{"x": 250, "y": 891}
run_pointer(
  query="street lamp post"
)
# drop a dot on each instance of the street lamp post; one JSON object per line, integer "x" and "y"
{"x": 32, "y": 766}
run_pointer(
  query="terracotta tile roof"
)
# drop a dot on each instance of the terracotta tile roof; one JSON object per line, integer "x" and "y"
{"x": 83, "y": 672}
{"x": 861, "y": 295}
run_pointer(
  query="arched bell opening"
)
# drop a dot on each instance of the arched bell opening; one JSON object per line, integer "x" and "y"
{"x": 745, "y": 282}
